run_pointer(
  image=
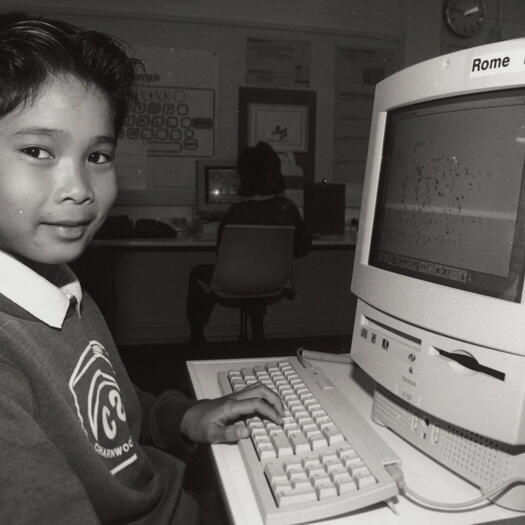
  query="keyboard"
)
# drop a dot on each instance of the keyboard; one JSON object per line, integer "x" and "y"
{"x": 325, "y": 460}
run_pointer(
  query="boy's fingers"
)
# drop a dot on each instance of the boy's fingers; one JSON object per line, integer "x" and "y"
{"x": 252, "y": 405}
{"x": 259, "y": 390}
{"x": 233, "y": 433}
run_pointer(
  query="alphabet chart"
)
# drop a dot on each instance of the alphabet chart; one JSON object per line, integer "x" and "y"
{"x": 171, "y": 123}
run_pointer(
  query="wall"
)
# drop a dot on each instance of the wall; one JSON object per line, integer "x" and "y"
{"x": 224, "y": 27}
{"x": 414, "y": 28}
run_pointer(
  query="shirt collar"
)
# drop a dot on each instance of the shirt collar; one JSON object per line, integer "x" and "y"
{"x": 47, "y": 298}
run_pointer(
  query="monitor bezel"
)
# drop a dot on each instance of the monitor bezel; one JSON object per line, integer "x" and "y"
{"x": 461, "y": 314}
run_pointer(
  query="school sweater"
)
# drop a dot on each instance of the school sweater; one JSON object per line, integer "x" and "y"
{"x": 79, "y": 444}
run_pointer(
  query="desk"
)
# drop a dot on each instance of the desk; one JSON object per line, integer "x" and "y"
{"x": 193, "y": 242}
{"x": 421, "y": 473}
{"x": 141, "y": 286}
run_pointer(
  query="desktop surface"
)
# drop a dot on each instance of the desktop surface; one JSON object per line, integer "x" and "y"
{"x": 421, "y": 473}
{"x": 196, "y": 241}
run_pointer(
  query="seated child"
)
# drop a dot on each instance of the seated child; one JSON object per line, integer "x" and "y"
{"x": 78, "y": 442}
{"x": 262, "y": 188}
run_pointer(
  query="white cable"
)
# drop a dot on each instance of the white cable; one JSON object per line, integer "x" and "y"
{"x": 439, "y": 505}
{"x": 303, "y": 354}
{"x": 484, "y": 499}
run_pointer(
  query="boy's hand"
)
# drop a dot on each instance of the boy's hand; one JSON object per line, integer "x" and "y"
{"x": 213, "y": 420}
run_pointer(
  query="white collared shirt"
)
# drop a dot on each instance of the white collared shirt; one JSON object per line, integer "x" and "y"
{"x": 47, "y": 298}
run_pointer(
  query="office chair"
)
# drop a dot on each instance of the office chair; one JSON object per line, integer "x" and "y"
{"x": 253, "y": 269}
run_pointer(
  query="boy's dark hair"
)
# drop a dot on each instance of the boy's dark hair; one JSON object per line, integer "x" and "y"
{"x": 260, "y": 171}
{"x": 33, "y": 49}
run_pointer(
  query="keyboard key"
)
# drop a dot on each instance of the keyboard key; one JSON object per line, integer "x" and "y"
{"x": 295, "y": 496}
{"x": 332, "y": 434}
{"x": 247, "y": 373}
{"x": 300, "y": 481}
{"x": 346, "y": 450}
{"x": 316, "y": 440}
{"x": 274, "y": 472}
{"x": 316, "y": 470}
{"x": 364, "y": 480}
{"x": 265, "y": 451}
{"x": 273, "y": 428}
{"x": 319, "y": 415}
{"x": 345, "y": 485}
{"x": 257, "y": 431}
{"x": 328, "y": 455}
{"x": 290, "y": 426}
{"x": 339, "y": 473}
{"x": 325, "y": 489}
{"x": 281, "y": 444}
{"x": 351, "y": 462}
{"x": 299, "y": 442}
{"x": 310, "y": 459}
{"x": 308, "y": 427}
{"x": 292, "y": 466}
{"x": 359, "y": 470}
{"x": 308, "y": 401}
{"x": 260, "y": 437}
{"x": 279, "y": 486}
{"x": 254, "y": 422}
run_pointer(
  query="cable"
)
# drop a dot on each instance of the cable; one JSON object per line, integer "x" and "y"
{"x": 303, "y": 354}
{"x": 396, "y": 473}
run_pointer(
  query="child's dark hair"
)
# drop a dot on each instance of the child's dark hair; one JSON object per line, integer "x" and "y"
{"x": 260, "y": 171}
{"x": 33, "y": 49}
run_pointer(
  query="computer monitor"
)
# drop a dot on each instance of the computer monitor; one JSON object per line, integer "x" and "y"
{"x": 440, "y": 261}
{"x": 217, "y": 184}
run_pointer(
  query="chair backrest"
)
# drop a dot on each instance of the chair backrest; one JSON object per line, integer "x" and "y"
{"x": 254, "y": 261}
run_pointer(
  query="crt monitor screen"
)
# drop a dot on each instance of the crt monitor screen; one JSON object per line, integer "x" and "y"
{"x": 221, "y": 185}
{"x": 451, "y": 205}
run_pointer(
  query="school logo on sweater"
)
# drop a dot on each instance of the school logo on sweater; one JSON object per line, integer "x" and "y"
{"x": 100, "y": 409}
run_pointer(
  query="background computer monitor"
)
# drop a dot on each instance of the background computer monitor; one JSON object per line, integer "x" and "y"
{"x": 440, "y": 259}
{"x": 217, "y": 183}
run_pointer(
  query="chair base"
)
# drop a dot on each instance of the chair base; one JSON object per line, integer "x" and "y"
{"x": 257, "y": 327}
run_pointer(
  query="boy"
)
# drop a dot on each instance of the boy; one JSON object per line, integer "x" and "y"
{"x": 78, "y": 443}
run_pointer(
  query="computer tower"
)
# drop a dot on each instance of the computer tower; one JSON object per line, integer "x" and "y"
{"x": 324, "y": 208}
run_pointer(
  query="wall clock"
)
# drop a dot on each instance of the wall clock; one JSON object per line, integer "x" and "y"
{"x": 465, "y": 17}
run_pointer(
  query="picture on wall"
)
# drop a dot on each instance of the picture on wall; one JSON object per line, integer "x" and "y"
{"x": 285, "y": 128}
{"x": 285, "y": 119}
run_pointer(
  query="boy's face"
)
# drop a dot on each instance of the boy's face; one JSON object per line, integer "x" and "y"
{"x": 57, "y": 174}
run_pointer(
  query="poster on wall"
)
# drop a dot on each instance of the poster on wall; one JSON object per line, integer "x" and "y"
{"x": 273, "y": 62}
{"x": 172, "y": 121}
{"x": 358, "y": 70}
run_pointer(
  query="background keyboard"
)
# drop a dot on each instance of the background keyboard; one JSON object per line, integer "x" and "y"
{"x": 324, "y": 460}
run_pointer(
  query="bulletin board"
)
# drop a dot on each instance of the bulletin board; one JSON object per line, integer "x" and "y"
{"x": 171, "y": 124}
